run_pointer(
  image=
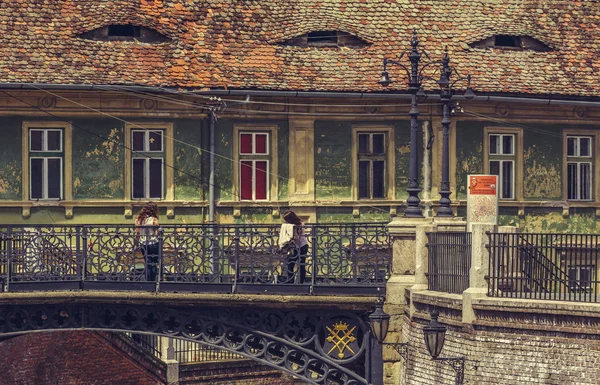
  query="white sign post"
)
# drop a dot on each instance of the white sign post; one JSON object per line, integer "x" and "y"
{"x": 482, "y": 200}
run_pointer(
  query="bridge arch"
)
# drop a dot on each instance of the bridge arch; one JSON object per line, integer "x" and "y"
{"x": 321, "y": 347}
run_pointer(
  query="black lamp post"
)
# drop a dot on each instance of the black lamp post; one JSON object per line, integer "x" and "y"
{"x": 446, "y": 94}
{"x": 380, "y": 324}
{"x": 435, "y": 336}
{"x": 413, "y": 210}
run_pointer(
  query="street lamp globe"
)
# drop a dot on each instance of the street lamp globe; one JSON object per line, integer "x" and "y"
{"x": 435, "y": 335}
{"x": 380, "y": 322}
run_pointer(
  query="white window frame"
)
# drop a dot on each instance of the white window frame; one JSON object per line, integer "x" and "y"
{"x": 147, "y": 179}
{"x": 501, "y": 177}
{"x": 371, "y": 157}
{"x": 254, "y": 135}
{"x": 268, "y": 181}
{"x": 578, "y": 146}
{"x": 146, "y": 132}
{"x": 578, "y": 269}
{"x": 45, "y": 139}
{"x": 578, "y": 160}
{"x": 500, "y": 142}
{"x": 45, "y": 178}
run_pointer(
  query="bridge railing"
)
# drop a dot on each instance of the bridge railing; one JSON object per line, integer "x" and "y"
{"x": 346, "y": 259}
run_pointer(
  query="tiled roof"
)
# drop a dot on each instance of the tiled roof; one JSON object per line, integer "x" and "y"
{"x": 233, "y": 43}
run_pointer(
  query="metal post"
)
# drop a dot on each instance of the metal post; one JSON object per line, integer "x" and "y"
{"x": 413, "y": 210}
{"x": 445, "y": 97}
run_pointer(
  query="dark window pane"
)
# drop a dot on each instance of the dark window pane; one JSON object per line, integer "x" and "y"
{"x": 245, "y": 143}
{"x": 139, "y": 171}
{"x": 37, "y": 178}
{"x": 261, "y": 143}
{"x": 585, "y": 277}
{"x": 363, "y": 144}
{"x": 571, "y": 146}
{"x": 493, "y": 144}
{"x": 378, "y": 179}
{"x": 507, "y": 180}
{"x": 137, "y": 140}
{"x": 261, "y": 180}
{"x": 36, "y": 138}
{"x": 155, "y": 140}
{"x": 584, "y": 146}
{"x": 507, "y": 144}
{"x": 246, "y": 180}
{"x": 494, "y": 167}
{"x": 54, "y": 140}
{"x": 54, "y": 178}
{"x": 572, "y": 181}
{"x": 572, "y": 277}
{"x": 156, "y": 178}
{"x": 585, "y": 174}
{"x": 364, "y": 190}
{"x": 378, "y": 143}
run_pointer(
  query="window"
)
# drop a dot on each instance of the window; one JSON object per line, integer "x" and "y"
{"x": 502, "y": 163}
{"x": 46, "y": 157}
{"x": 579, "y": 168}
{"x": 512, "y": 42}
{"x": 581, "y": 277}
{"x": 124, "y": 32}
{"x": 147, "y": 164}
{"x": 254, "y": 165}
{"x": 371, "y": 165}
{"x": 333, "y": 39}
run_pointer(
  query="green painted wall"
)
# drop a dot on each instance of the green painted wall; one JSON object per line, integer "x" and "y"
{"x": 402, "y": 144}
{"x": 542, "y": 162}
{"x": 190, "y": 182}
{"x": 98, "y": 159}
{"x": 344, "y": 214}
{"x": 10, "y": 159}
{"x": 333, "y": 160}
{"x": 469, "y": 154}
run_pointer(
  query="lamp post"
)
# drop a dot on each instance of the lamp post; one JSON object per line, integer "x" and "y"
{"x": 413, "y": 210}
{"x": 446, "y": 93}
{"x": 435, "y": 336}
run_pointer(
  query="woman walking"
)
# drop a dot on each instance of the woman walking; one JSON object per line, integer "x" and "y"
{"x": 146, "y": 232}
{"x": 292, "y": 241}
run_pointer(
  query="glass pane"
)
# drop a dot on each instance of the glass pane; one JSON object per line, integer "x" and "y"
{"x": 363, "y": 180}
{"x": 261, "y": 180}
{"x": 585, "y": 277}
{"x": 139, "y": 171}
{"x": 585, "y": 146}
{"x": 156, "y": 178}
{"x": 137, "y": 140}
{"x": 246, "y": 180}
{"x": 261, "y": 143}
{"x": 378, "y": 179}
{"x": 245, "y": 143}
{"x": 493, "y": 144}
{"x": 507, "y": 144}
{"x": 54, "y": 140}
{"x": 570, "y": 146}
{"x": 378, "y": 143}
{"x": 363, "y": 144}
{"x": 155, "y": 141}
{"x": 572, "y": 181}
{"x": 572, "y": 277}
{"x": 494, "y": 167}
{"x": 54, "y": 178}
{"x": 585, "y": 184}
{"x": 37, "y": 178}
{"x": 507, "y": 180}
{"x": 36, "y": 140}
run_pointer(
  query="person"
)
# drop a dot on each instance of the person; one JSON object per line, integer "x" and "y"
{"x": 146, "y": 232}
{"x": 292, "y": 241}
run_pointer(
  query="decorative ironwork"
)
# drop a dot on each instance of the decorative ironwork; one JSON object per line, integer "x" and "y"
{"x": 458, "y": 365}
{"x": 351, "y": 258}
{"x": 400, "y": 347}
{"x": 449, "y": 261}
{"x": 259, "y": 334}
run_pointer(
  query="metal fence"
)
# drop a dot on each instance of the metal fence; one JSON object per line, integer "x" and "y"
{"x": 544, "y": 266}
{"x": 188, "y": 352}
{"x": 341, "y": 259}
{"x": 449, "y": 257}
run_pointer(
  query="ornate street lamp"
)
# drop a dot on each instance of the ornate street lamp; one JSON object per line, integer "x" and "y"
{"x": 380, "y": 324}
{"x": 415, "y": 79}
{"x": 415, "y": 87}
{"x": 446, "y": 93}
{"x": 435, "y": 336}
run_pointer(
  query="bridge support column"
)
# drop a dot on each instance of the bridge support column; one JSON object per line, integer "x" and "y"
{"x": 167, "y": 351}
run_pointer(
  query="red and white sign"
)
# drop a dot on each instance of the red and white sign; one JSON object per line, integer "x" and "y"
{"x": 483, "y": 184}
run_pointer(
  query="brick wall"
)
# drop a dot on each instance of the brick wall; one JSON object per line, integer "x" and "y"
{"x": 68, "y": 358}
{"x": 241, "y": 372}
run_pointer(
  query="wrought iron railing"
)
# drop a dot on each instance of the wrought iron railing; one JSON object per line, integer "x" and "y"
{"x": 347, "y": 258}
{"x": 449, "y": 259}
{"x": 189, "y": 352}
{"x": 148, "y": 342}
{"x": 544, "y": 266}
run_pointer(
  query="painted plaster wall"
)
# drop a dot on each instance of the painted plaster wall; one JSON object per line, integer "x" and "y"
{"x": 10, "y": 159}
{"x": 98, "y": 159}
{"x": 333, "y": 160}
{"x": 191, "y": 182}
{"x": 344, "y": 215}
{"x": 469, "y": 154}
{"x": 542, "y": 162}
{"x": 402, "y": 144}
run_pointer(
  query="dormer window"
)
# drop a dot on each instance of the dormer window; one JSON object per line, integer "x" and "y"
{"x": 512, "y": 42}
{"x": 333, "y": 39}
{"x": 124, "y": 32}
